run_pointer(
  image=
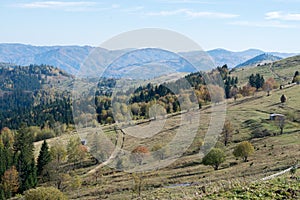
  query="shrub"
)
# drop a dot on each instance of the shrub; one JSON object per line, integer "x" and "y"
{"x": 44, "y": 193}
{"x": 283, "y": 98}
{"x": 260, "y": 133}
{"x": 44, "y": 134}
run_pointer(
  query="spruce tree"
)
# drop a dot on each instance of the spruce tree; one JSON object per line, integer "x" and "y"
{"x": 44, "y": 157}
{"x": 5, "y": 157}
{"x": 252, "y": 81}
{"x": 2, "y": 161}
{"x": 24, "y": 159}
{"x": 259, "y": 81}
{"x": 236, "y": 81}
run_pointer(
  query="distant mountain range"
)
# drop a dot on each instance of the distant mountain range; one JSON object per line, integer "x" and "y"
{"x": 67, "y": 58}
{"x": 148, "y": 63}
{"x": 260, "y": 60}
{"x": 70, "y": 58}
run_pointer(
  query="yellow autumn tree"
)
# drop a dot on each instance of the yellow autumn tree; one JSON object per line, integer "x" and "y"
{"x": 10, "y": 182}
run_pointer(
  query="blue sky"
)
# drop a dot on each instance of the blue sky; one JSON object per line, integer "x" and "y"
{"x": 270, "y": 25}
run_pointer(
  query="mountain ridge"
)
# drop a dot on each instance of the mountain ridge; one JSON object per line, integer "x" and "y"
{"x": 69, "y": 58}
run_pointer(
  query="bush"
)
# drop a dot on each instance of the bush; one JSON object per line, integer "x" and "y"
{"x": 260, "y": 133}
{"x": 232, "y": 164}
{"x": 238, "y": 96}
{"x": 44, "y": 134}
{"x": 44, "y": 193}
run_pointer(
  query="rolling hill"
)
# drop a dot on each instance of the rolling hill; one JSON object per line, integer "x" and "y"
{"x": 261, "y": 59}
{"x": 282, "y": 70}
{"x": 222, "y": 56}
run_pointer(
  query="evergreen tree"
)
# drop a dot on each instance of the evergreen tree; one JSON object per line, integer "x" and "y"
{"x": 252, "y": 81}
{"x": 283, "y": 98}
{"x": 259, "y": 81}
{"x": 2, "y": 195}
{"x": 256, "y": 81}
{"x": 227, "y": 90}
{"x": 5, "y": 155}
{"x": 236, "y": 81}
{"x": 44, "y": 157}
{"x": 24, "y": 159}
{"x": 2, "y": 161}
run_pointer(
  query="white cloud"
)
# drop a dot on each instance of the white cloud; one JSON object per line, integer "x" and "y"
{"x": 277, "y": 15}
{"x": 193, "y": 14}
{"x": 57, "y": 4}
{"x": 262, "y": 24}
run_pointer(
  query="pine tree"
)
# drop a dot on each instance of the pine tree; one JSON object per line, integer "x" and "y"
{"x": 44, "y": 158}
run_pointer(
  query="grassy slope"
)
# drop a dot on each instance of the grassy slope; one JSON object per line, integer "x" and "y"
{"x": 279, "y": 188}
{"x": 283, "y": 70}
{"x": 272, "y": 154}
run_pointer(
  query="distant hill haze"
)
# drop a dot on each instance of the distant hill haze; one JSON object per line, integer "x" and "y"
{"x": 70, "y": 58}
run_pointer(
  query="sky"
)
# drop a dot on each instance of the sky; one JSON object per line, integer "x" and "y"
{"x": 269, "y": 25}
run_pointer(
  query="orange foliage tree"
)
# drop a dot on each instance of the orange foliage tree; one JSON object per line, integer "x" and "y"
{"x": 269, "y": 85}
{"x": 139, "y": 153}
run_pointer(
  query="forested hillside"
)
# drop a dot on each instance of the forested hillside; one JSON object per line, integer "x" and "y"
{"x": 31, "y": 95}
